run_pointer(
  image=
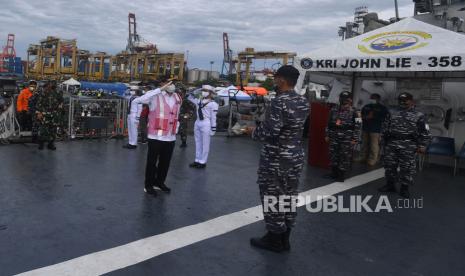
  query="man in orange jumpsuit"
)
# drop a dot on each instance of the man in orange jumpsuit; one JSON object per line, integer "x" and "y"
{"x": 22, "y": 106}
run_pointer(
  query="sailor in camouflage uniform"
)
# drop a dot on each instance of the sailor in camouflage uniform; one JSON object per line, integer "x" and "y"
{"x": 342, "y": 134}
{"x": 48, "y": 106}
{"x": 185, "y": 114}
{"x": 282, "y": 158}
{"x": 404, "y": 133}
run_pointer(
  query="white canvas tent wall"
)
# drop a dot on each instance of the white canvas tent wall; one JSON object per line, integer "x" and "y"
{"x": 406, "y": 49}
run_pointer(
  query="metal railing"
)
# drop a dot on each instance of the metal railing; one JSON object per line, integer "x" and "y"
{"x": 96, "y": 118}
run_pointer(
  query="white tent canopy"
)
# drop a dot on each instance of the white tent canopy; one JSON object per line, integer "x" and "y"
{"x": 409, "y": 55}
{"x": 71, "y": 82}
{"x": 405, "y": 46}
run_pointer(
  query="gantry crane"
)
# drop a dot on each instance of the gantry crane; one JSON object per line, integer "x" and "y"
{"x": 56, "y": 58}
{"x": 8, "y": 53}
{"x": 228, "y": 63}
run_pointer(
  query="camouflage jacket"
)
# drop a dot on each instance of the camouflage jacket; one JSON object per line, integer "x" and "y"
{"x": 187, "y": 110}
{"x": 346, "y": 121}
{"x": 281, "y": 131}
{"x": 50, "y": 104}
{"x": 406, "y": 125}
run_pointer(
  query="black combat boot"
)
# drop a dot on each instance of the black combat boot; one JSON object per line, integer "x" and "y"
{"x": 388, "y": 188}
{"x": 404, "y": 191}
{"x": 41, "y": 145}
{"x": 340, "y": 175}
{"x": 51, "y": 146}
{"x": 286, "y": 236}
{"x": 194, "y": 165}
{"x": 201, "y": 166}
{"x": 334, "y": 173}
{"x": 271, "y": 241}
{"x": 183, "y": 144}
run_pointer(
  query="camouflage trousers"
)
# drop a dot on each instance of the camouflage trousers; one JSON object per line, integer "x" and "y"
{"x": 183, "y": 130}
{"x": 399, "y": 161}
{"x": 46, "y": 132}
{"x": 341, "y": 150}
{"x": 279, "y": 183}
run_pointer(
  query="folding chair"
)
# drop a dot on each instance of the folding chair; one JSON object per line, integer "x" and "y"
{"x": 440, "y": 146}
{"x": 460, "y": 155}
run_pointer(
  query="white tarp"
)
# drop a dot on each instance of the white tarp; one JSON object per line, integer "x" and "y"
{"x": 7, "y": 126}
{"x": 230, "y": 92}
{"x": 407, "y": 45}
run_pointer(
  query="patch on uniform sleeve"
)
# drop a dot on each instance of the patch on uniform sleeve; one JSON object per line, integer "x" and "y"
{"x": 358, "y": 118}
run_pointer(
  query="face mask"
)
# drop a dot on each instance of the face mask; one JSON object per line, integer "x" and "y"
{"x": 275, "y": 88}
{"x": 276, "y": 85}
{"x": 345, "y": 101}
{"x": 373, "y": 101}
{"x": 32, "y": 88}
{"x": 403, "y": 104}
{"x": 205, "y": 94}
{"x": 170, "y": 89}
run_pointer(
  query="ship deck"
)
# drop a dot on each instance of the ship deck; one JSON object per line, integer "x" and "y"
{"x": 82, "y": 211}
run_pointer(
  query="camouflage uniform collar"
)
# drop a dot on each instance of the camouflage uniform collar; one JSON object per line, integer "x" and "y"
{"x": 286, "y": 92}
{"x": 349, "y": 107}
{"x": 410, "y": 109}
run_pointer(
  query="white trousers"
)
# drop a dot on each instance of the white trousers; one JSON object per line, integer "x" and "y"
{"x": 132, "y": 129}
{"x": 202, "y": 131}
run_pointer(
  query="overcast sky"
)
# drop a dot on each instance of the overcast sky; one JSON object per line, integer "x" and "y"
{"x": 193, "y": 25}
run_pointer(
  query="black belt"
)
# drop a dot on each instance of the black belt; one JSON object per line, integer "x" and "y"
{"x": 335, "y": 127}
{"x": 398, "y": 136}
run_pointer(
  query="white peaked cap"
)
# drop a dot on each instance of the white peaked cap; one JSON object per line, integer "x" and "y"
{"x": 208, "y": 88}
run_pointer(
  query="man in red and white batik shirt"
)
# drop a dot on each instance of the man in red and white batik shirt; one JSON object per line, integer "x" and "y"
{"x": 162, "y": 128}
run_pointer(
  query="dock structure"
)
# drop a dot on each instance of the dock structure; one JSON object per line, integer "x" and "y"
{"x": 59, "y": 59}
{"x": 52, "y": 58}
{"x": 245, "y": 59}
{"x": 146, "y": 66}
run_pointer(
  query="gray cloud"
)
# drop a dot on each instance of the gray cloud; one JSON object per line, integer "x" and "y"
{"x": 194, "y": 25}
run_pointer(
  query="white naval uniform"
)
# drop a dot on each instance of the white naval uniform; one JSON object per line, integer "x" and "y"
{"x": 133, "y": 121}
{"x": 205, "y": 128}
